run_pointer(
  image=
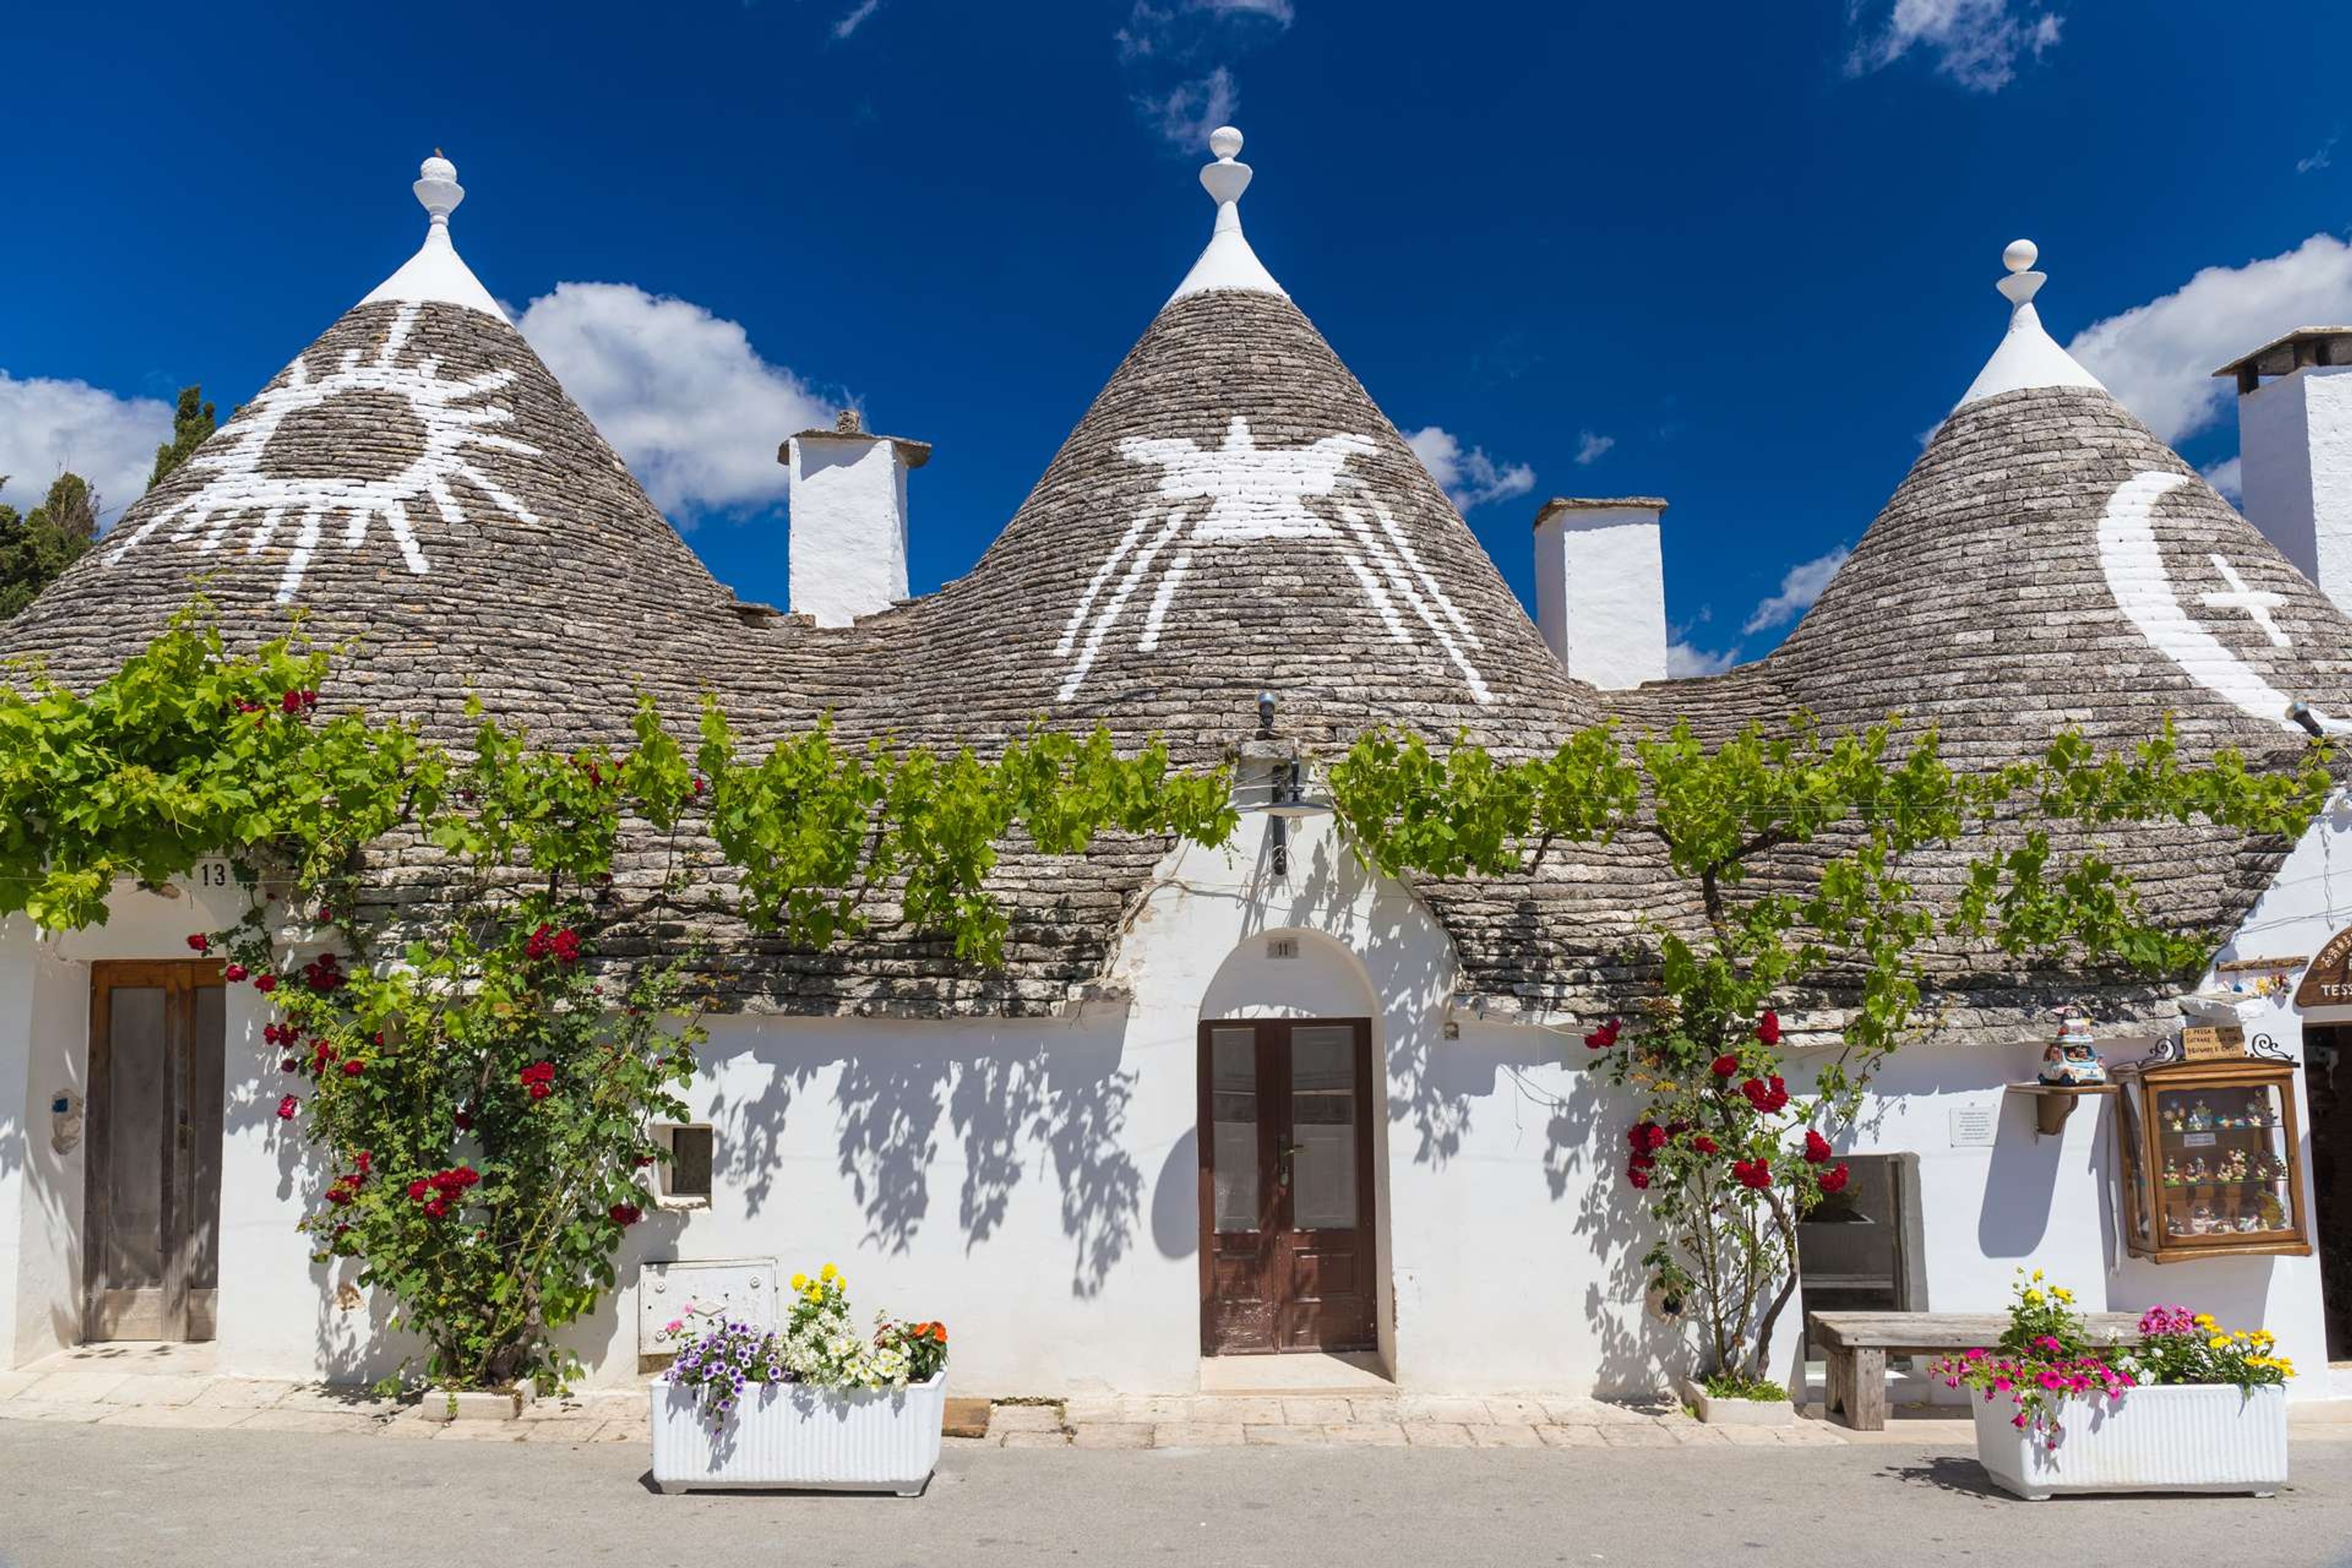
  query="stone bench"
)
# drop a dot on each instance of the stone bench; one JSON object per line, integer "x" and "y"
{"x": 1856, "y": 1345}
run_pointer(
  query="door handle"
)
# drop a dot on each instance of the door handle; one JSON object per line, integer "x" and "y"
{"x": 1284, "y": 1150}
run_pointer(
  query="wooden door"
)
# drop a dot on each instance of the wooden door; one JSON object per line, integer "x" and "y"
{"x": 152, "y": 1155}
{"x": 1287, "y": 1252}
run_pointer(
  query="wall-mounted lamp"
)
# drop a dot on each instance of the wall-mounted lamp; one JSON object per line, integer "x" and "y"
{"x": 2300, "y": 711}
{"x": 1265, "y": 713}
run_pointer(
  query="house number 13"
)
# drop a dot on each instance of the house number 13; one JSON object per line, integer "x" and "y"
{"x": 212, "y": 874}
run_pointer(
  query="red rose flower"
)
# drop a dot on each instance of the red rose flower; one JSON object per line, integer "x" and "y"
{"x": 1833, "y": 1180}
{"x": 1769, "y": 1098}
{"x": 1638, "y": 1174}
{"x": 288, "y": 1064}
{"x": 1817, "y": 1148}
{"x": 353, "y": 1068}
{"x": 626, "y": 1213}
{"x": 698, "y": 784}
{"x": 567, "y": 947}
{"x": 265, "y": 983}
{"x": 1768, "y": 1027}
{"x": 1703, "y": 1144}
{"x": 464, "y": 1121}
{"x": 417, "y": 1189}
{"x": 1602, "y": 1039}
{"x": 1725, "y": 1065}
{"x": 233, "y": 972}
{"x": 437, "y": 1207}
{"x": 1753, "y": 1173}
{"x": 287, "y": 1107}
{"x": 199, "y": 943}
{"x": 1645, "y": 1136}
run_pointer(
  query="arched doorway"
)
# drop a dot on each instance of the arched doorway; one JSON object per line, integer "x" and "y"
{"x": 1289, "y": 1110}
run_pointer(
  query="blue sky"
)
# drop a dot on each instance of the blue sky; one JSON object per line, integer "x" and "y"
{"x": 1741, "y": 256}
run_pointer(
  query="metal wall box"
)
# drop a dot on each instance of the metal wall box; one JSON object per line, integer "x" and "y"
{"x": 698, "y": 1295}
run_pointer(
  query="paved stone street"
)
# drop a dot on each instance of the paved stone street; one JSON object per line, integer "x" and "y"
{"x": 87, "y": 1493}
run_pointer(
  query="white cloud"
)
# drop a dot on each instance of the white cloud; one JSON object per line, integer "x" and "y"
{"x": 1177, "y": 55}
{"x": 2226, "y": 477}
{"x": 1684, "y": 660}
{"x": 855, "y": 18}
{"x": 1187, "y": 112}
{"x": 690, "y": 406}
{"x": 1591, "y": 448}
{"x": 1977, "y": 43}
{"x": 47, "y": 428}
{"x": 1470, "y": 479}
{"x": 2320, "y": 159}
{"x": 2159, "y": 358}
{"x": 1800, "y": 587}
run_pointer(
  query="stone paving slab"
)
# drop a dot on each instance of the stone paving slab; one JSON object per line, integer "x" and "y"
{"x": 77, "y": 1388}
{"x": 184, "y": 1417}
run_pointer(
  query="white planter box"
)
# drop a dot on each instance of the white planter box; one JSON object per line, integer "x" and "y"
{"x": 2183, "y": 1438}
{"x": 1737, "y": 1412}
{"x": 791, "y": 1434}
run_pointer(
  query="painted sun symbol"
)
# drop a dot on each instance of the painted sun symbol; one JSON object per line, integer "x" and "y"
{"x": 267, "y": 470}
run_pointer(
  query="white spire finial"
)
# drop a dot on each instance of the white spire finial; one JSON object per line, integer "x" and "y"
{"x": 2028, "y": 355}
{"x": 1228, "y": 262}
{"x": 435, "y": 272}
{"x": 436, "y": 186}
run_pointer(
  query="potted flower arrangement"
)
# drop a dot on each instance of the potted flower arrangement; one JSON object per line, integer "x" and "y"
{"x": 2195, "y": 1409}
{"x": 819, "y": 1405}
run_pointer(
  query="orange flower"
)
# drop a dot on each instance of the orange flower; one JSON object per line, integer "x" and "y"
{"x": 939, "y": 1332}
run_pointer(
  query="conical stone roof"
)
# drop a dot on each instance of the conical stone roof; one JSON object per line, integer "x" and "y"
{"x": 415, "y": 483}
{"x": 1233, "y": 515}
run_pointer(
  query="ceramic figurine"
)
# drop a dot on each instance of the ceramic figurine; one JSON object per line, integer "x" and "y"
{"x": 2070, "y": 1061}
{"x": 2175, "y": 1226}
{"x": 2171, "y": 1172}
{"x": 2197, "y": 1170}
{"x": 2234, "y": 1168}
{"x": 2200, "y": 1118}
{"x": 2172, "y": 1122}
{"x": 2200, "y": 1218}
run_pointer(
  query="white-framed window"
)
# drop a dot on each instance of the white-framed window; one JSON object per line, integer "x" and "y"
{"x": 685, "y": 1176}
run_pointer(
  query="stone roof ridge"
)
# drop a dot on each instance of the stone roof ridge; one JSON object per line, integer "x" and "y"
{"x": 436, "y": 273}
{"x": 2028, "y": 355}
{"x": 1227, "y": 262}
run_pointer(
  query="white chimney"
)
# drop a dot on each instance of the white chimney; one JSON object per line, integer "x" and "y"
{"x": 848, "y": 554}
{"x": 2294, "y": 452}
{"x": 1600, "y": 588}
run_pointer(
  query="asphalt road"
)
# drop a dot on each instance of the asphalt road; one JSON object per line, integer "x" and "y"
{"x": 73, "y": 1495}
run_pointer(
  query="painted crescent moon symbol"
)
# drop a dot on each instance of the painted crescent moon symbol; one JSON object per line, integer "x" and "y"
{"x": 2143, "y": 592}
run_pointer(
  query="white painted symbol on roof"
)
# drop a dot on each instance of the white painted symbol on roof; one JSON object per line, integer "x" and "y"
{"x": 1260, "y": 492}
{"x": 243, "y": 487}
{"x": 2142, "y": 588}
{"x": 2257, "y": 602}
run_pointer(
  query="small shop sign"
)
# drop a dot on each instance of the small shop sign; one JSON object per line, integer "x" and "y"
{"x": 2205, "y": 1044}
{"x": 2327, "y": 979}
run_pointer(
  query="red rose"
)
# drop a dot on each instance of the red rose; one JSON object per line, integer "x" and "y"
{"x": 1638, "y": 1174}
{"x": 1602, "y": 1039}
{"x": 567, "y": 947}
{"x": 437, "y": 1207}
{"x": 287, "y": 1107}
{"x": 1766, "y": 1098}
{"x": 1753, "y": 1173}
{"x": 1641, "y": 1162}
{"x": 1817, "y": 1148}
{"x": 698, "y": 784}
{"x": 1833, "y": 1180}
{"x": 234, "y": 973}
{"x": 464, "y": 1121}
{"x": 1768, "y": 1028}
{"x": 1726, "y": 1065}
{"x": 625, "y": 1213}
{"x": 1646, "y": 1135}
{"x": 417, "y": 1189}
{"x": 199, "y": 943}
{"x": 288, "y": 1064}
{"x": 365, "y": 1162}
{"x": 325, "y": 913}
{"x": 353, "y": 1068}
{"x": 1703, "y": 1144}
{"x": 265, "y": 983}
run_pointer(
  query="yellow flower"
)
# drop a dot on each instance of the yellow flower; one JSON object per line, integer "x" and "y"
{"x": 2203, "y": 1320}
{"x": 2033, "y": 1297}
{"x": 2037, "y": 1274}
{"x": 2218, "y": 1342}
{"x": 830, "y": 1272}
{"x": 2264, "y": 1337}
{"x": 799, "y": 1281}
{"x": 2061, "y": 1293}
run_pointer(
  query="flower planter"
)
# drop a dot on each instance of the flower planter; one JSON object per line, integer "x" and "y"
{"x": 791, "y": 1434}
{"x": 2174, "y": 1438}
{"x": 1716, "y": 1412}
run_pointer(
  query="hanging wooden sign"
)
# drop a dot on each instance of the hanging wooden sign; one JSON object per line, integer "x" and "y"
{"x": 2200, "y": 1044}
{"x": 2327, "y": 980}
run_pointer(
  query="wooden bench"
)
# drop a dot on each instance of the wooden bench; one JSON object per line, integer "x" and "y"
{"x": 1856, "y": 1345}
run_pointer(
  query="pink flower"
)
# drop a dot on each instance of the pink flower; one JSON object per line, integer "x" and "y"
{"x": 2018, "y": 1420}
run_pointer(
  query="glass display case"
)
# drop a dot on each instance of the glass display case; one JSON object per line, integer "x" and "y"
{"x": 2208, "y": 1160}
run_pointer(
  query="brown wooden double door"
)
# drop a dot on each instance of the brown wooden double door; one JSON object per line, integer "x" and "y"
{"x": 1287, "y": 1249}
{"x": 152, "y": 1260}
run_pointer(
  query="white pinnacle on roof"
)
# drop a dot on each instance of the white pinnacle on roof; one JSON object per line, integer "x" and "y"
{"x": 2028, "y": 356}
{"x": 1228, "y": 262}
{"x": 436, "y": 273}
